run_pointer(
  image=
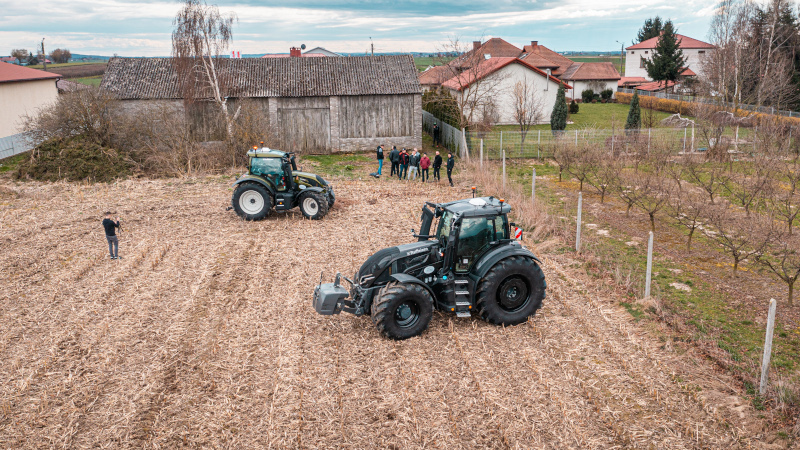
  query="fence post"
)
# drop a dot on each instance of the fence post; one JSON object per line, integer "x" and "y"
{"x": 692, "y": 138}
{"x": 576, "y": 138}
{"x": 648, "y": 140}
{"x": 578, "y": 233}
{"x": 649, "y": 275}
{"x": 762, "y": 388}
{"x": 684, "y": 139}
{"x": 464, "y": 142}
{"x": 736, "y": 146}
{"x": 755, "y": 133}
{"x": 481, "y": 153}
{"x": 501, "y": 139}
{"x": 504, "y": 172}
{"x": 533, "y": 187}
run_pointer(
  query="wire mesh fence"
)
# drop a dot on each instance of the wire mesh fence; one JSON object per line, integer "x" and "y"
{"x": 542, "y": 143}
{"x": 451, "y": 136}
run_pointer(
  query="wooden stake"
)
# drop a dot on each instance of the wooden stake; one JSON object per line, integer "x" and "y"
{"x": 762, "y": 388}
{"x": 533, "y": 186}
{"x": 578, "y": 234}
{"x": 649, "y": 276}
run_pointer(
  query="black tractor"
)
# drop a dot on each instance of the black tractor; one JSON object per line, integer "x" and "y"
{"x": 471, "y": 264}
{"x": 273, "y": 181}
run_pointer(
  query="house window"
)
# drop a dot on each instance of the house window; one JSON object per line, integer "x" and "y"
{"x": 701, "y": 52}
{"x": 632, "y": 52}
{"x": 645, "y": 52}
{"x": 641, "y": 63}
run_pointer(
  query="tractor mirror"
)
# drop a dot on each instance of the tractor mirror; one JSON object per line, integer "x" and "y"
{"x": 512, "y": 224}
{"x": 425, "y": 223}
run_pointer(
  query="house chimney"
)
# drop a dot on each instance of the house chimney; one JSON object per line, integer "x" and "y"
{"x": 476, "y": 45}
{"x": 534, "y": 44}
{"x": 294, "y": 52}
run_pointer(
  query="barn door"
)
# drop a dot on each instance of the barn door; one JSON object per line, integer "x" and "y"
{"x": 306, "y": 130}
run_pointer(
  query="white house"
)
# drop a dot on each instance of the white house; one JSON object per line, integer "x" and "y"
{"x": 693, "y": 50}
{"x": 491, "y": 85}
{"x": 595, "y": 76}
{"x": 22, "y": 91}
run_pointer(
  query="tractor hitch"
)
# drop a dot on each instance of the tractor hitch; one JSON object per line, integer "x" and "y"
{"x": 329, "y": 297}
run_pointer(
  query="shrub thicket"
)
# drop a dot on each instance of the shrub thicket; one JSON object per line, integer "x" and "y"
{"x": 573, "y": 107}
{"x": 587, "y": 96}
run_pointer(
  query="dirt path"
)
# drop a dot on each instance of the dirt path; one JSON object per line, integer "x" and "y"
{"x": 204, "y": 335}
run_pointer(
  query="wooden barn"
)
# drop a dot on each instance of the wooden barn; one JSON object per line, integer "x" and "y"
{"x": 315, "y": 105}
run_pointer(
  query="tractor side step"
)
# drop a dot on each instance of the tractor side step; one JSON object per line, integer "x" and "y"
{"x": 460, "y": 281}
{"x": 463, "y": 314}
{"x": 462, "y": 292}
{"x": 467, "y": 304}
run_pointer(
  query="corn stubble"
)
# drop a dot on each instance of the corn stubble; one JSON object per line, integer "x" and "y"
{"x": 204, "y": 335}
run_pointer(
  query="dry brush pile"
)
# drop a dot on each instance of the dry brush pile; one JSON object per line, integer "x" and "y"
{"x": 204, "y": 335}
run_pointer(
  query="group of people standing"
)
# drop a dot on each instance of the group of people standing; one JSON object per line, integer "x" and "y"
{"x": 408, "y": 165}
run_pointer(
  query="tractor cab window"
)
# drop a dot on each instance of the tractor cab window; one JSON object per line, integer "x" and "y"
{"x": 268, "y": 168}
{"x": 474, "y": 239}
{"x": 445, "y": 224}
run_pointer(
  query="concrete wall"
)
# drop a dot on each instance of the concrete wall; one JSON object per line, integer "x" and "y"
{"x": 595, "y": 85}
{"x": 500, "y": 92}
{"x": 633, "y": 61}
{"x": 19, "y": 98}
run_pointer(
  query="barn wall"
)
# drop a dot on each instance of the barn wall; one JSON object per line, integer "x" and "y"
{"x": 364, "y": 122}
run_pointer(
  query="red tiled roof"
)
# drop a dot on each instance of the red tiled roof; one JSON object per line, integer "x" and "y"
{"x": 11, "y": 72}
{"x": 436, "y": 75}
{"x": 488, "y": 67}
{"x": 494, "y": 47}
{"x": 655, "y": 86}
{"x": 683, "y": 42}
{"x": 535, "y": 53}
{"x": 8, "y": 59}
{"x": 591, "y": 71}
{"x": 631, "y": 81}
{"x": 286, "y": 55}
{"x": 687, "y": 72}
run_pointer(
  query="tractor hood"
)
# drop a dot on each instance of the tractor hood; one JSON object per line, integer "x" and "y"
{"x": 376, "y": 263}
{"x": 309, "y": 179}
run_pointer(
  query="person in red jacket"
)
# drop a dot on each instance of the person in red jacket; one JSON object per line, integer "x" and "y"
{"x": 424, "y": 163}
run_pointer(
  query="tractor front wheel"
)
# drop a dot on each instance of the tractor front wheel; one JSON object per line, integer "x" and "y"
{"x": 511, "y": 291}
{"x": 313, "y": 205}
{"x": 251, "y": 201}
{"x": 401, "y": 311}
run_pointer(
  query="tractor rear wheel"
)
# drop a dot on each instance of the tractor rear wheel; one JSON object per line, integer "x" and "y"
{"x": 511, "y": 291}
{"x": 251, "y": 201}
{"x": 313, "y": 205}
{"x": 402, "y": 310}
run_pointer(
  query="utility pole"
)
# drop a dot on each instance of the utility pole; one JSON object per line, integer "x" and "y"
{"x": 371, "y": 47}
{"x": 44, "y": 56}
{"x": 621, "y": 56}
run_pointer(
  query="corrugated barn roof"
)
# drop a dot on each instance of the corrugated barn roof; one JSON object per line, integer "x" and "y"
{"x": 155, "y": 78}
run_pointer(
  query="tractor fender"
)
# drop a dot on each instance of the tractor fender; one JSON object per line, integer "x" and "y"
{"x": 494, "y": 256}
{"x": 406, "y": 278}
{"x": 312, "y": 189}
{"x": 258, "y": 180}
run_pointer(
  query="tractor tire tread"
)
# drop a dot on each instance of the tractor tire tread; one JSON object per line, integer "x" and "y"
{"x": 486, "y": 296}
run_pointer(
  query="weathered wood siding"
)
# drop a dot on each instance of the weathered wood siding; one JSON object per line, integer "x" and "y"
{"x": 304, "y": 124}
{"x": 371, "y": 116}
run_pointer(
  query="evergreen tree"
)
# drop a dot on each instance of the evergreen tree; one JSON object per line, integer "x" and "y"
{"x": 668, "y": 61}
{"x": 634, "y": 121}
{"x": 558, "y": 118}
{"x": 651, "y": 28}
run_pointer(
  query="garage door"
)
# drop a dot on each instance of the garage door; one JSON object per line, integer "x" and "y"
{"x": 305, "y": 130}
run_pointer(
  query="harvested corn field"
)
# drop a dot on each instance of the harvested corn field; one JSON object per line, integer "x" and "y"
{"x": 204, "y": 335}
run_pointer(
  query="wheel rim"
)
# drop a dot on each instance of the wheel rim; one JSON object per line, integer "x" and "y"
{"x": 251, "y": 202}
{"x": 407, "y": 314}
{"x": 513, "y": 294}
{"x": 310, "y": 206}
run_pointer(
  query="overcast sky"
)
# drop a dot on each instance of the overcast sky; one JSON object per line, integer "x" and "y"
{"x": 127, "y": 28}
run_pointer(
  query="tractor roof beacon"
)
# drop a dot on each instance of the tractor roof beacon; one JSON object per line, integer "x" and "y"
{"x": 470, "y": 264}
{"x": 273, "y": 181}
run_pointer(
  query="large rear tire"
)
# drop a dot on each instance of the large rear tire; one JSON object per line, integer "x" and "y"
{"x": 511, "y": 291}
{"x": 251, "y": 201}
{"x": 313, "y": 205}
{"x": 402, "y": 310}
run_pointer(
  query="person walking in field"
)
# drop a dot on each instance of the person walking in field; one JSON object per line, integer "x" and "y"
{"x": 451, "y": 162}
{"x": 379, "y": 154}
{"x": 110, "y": 227}
{"x": 404, "y": 159}
{"x": 437, "y": 164}
{"x": 394, "y": 158}
{"x": 413, "y": 166}
{"x": 437, "y": 135}
{"x": 424, "y": 163}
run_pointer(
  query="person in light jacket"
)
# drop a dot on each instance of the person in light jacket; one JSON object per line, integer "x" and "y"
{"x": 413, "y": 164}
{"x": 424, "y": 163}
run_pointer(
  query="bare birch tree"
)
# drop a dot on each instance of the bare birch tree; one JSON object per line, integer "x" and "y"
{"x": 201, "y": 36}
{"x": 528, "y": 108}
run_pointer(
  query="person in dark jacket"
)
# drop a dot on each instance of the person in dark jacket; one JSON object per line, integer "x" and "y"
{"x": 394, "y": 158}
{"x": 451, "y": 162}
{"x": 379, "y": 152}
{"x": 404, "y": 160}
{"x": 110, "y": 227}
{"x": 437, "y": 164}
{"x": 437, "y": 135}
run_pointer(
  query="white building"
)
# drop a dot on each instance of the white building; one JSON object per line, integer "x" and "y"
{"x": 23, "y": 91}
{"x": 693, "y": 50}
{"x": 489, "y": 89}
{"x": 595, "y": 76}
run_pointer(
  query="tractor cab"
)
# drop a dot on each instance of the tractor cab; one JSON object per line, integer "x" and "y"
{"x": 273, "y": 165}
